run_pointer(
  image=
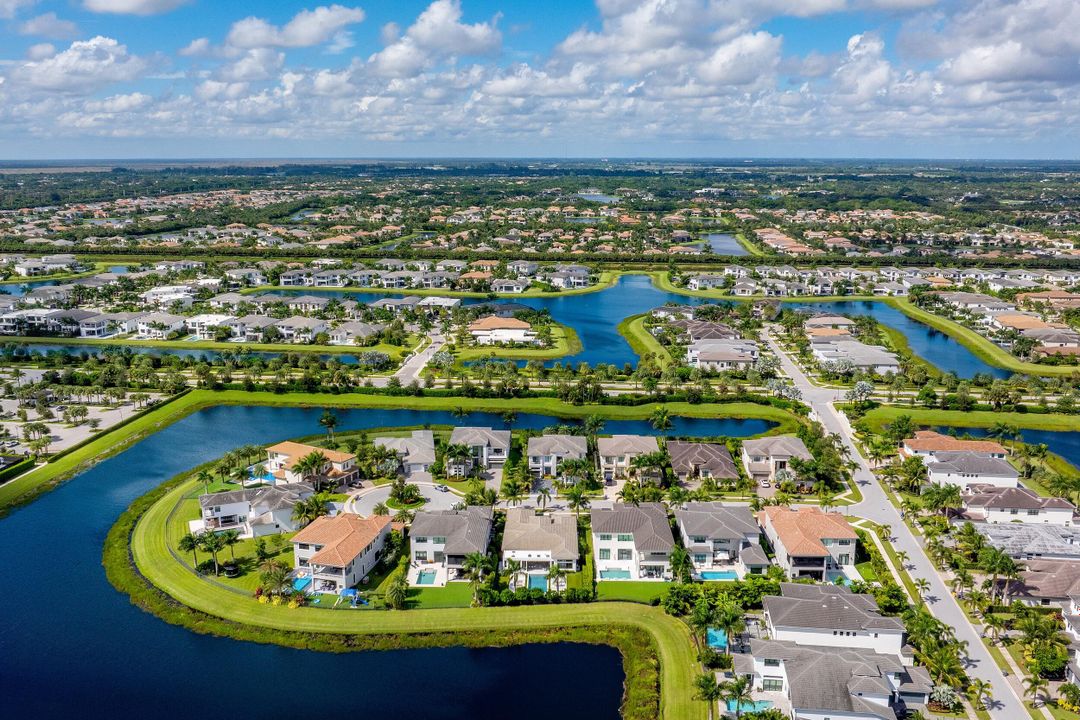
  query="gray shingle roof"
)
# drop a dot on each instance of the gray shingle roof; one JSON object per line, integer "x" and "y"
{"x": 466, "y": 531}
{"x": 714, "y": 520}
{"x": 784, "y": 446}
{"x": 826, "y": 608}
{"x": 565, "y": 445}
{"x": 686, "y": 456}
{"x": 1025, "y": 540}
{"x": 525, "y": 530}
{"x": 480, "y": 436}
{"x": 647, "y": 522}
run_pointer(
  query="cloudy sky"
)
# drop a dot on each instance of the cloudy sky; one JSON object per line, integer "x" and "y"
{"x": 552, "y": 78}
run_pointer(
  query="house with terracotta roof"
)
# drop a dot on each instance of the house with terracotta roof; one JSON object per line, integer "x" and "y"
{"x": 495, "y": 330}
{"x": 810, "y": 543}
{"x": 928, "y": 443}
{"x": 281, "y": 459}
{"x": 339, "y": 552}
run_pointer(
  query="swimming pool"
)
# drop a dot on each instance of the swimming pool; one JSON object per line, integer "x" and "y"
{"x": 614, "y": 574}
{"x": 719, "y": 575}
{"x": 426, "y": 577}
{"x": 538, "y": 582}
{"x": 716, "y": 638}
{"x": 300, "y": 584}
{"x": 755, "y": 706}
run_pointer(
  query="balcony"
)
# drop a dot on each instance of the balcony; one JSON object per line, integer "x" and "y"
{"x": 817, "y": 563}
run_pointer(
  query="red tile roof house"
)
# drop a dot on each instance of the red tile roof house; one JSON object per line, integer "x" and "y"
{"x": 339, "y": 552}
{"x": 810, "y": 543}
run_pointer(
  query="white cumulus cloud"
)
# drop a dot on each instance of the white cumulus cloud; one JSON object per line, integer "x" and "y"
{"x": 133, "y": 7}
{"x": 84, "y": 67}
{"x": 437, "y": 34}
{"x": 307, "y": 28}
{"x": 49, "y": 26}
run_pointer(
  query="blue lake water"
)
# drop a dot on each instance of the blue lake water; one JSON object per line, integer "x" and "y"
{"x": 594, "y": 316}
{"x": 725, "y": 244}
{"x": 71, "y": 646}
{"x": 598, "y": 197}
{"x": 19, "y": 289}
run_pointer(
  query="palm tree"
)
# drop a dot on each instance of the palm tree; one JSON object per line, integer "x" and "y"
{"x": 737, "y": 693}
{"x": 728, "y": 616}
{"x": 922, "y": 585}
{"x": 543, "y": 496}
{"x": 205, "y": 478}
{"x": 212, "y": 543}
{"x": 980, "y": 692}
{"x": 274, "y": 575}
{"x": 457, "y": 454}
{"x": 190, "y": 543}
{"x": 474, "y": 567}
{"x": 513, "y": 490}
{"x": 1033, "y": 687}
{"x": 403, "y": 516}
{"x": 381, "y": 509}
{"x": 902, "y": 558}
{"x": 660, "y": 419}
{"x": 706, "y": 688}
{"x": 577, "y": 499}
{"x": 329, "y": 420}
{"x": 555, "y": 576}
{"x": 307, "y": 511}
{"x": 995, "y": 625}
{"x": 397, "y": 592}
{"x": 513, "y": 569}
{"x": 229, "y": 539}
{"x": 681, "y": 566}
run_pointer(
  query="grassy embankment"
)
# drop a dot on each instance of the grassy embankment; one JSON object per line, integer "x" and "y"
{"x": 641, "y": 340}
{"x": 26, "y": 487}
{"x": 99, "y": 267}
{"x": 565, "y": 341}
{"x": 607, "y": 279}
{"x": 982, "y": 348}
{"x": 395, "y": 352}
{"x": 881, "y": 416}
{"x": 662, "y": 281}
{"x": 658, "y": 655}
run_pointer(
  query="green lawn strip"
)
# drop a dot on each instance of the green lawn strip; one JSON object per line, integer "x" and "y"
{"x": 1060, "y": 713}
{"x": 99, "y": 267}
{"x": 630, "y": 590}
{"x": 879, "y": 417}
{"x": 453, "y": 595}
{"x": 44, "y": 477}
{"x": 662, "y": 280}
{"x": 982, "y": 348}
{"x": 866, "y": 572}
{"x": 641, "y": 341}
{"x": 565, "y": 341}
{"x": 606, "y": 280}
{"x": 136, "y": 567}
{"x": 750, "y": 247}
{"x": 394, "y": 351}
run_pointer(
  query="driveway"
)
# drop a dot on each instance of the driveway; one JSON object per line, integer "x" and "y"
{"x": 364, "y": 502}
{"x": 875, "y": 506}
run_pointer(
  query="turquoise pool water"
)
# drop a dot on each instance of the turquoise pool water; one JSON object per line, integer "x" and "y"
{"x": 538, "y": 582}
{"x": 426, "y": 577}
{"x": 719, "y": 575}
{"x": 301, "y": 584}
{"x": 614, "y": 574}
{"x": 716, "y": 638}
{"x": 756, "y": 706}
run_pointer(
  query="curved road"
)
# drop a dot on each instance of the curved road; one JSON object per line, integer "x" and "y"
{"x": 875, "y": 506}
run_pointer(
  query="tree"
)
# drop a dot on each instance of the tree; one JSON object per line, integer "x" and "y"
{"x": 707, "y": 689}
{"x": 329, "y": 420}
{"x": 475, "y": 566}
{"x": 681, "y": 565}
{"x": 543, "y": 496}
{"x": 556, "y": 576}
{"x": 397, "y": 591}
{"x": 860, "y": 393}
{"x": 729, "y": 618}
{"x": 381, "y": 509}
{"x": 738, "y": 694}
{"x": 307, "y": 511}
{"x": 274, "y": 575}
{"x": 577, "y": 499}
{"x": 190, "y": 543}
{"x": 660, "y": 419}
{"x": 1034, "y": 687}
{"x": 212, "y": 543}
{"x": 513, "y": 570}
{"x": 230, "y": 538}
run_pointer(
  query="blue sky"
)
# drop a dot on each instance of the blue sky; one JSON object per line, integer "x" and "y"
{"x": 676, "y": 78}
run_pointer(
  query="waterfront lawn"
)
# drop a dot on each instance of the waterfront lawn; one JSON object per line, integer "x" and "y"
{"x": 641, "y": 341}
{"x": 453, "y": 595}
{"x": 879, "y": 417}
{"x": 565, "y": 341}
{"x": 631, "y": 590}
{"x": 395, "y": 352}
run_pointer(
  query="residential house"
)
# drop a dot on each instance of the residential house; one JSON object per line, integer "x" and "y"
{"x": 488, "y": 449}
{"x": 994, "y": 504}
{"x": 446, "y": 538}
{"x": 340, "y": 551}
{"x": 416, "y": 453}
{"x": 253, "y": 511}
{"x": 966, "y": 468}
{"x": 159, "y": 326}
{"x": 547, "y": 451}
{"x": 807, "y": 542}
{"x": 632, "y": 542}
{"x": 615, "y": 454}
{"x": 354, "y": 333}
{"x": 540, "y": 541}
{"x": 698, "y": 460}
{"x": 300, "y": 329}
{"x": 832, "y": 616}
{"x": 769, "y": 458}
{"x": 281, "y": 459}
{"x": 493, "y": 330}
{"x": 721, "y": 539}
{"x": 927, "y": 444}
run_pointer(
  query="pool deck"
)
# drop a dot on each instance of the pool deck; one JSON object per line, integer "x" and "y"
{"x": 441, "y": 575}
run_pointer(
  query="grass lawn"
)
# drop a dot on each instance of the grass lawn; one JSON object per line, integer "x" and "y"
{"x": 866, "y": 572}
{"x": 881, "y": 416}
{"x": 672, "y": 643}
{"x": 453, "y": 595}
{"x": 641, "y": 341}
{"x": 564, "y": 342}
{"x": 630, "y": 590}
{"x": 1061, "y": 713}
{"x": 982, "y": 348}
{"x": 394, "y": 351}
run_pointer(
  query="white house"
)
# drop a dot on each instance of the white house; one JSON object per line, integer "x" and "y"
{"x": 446, "y": 538}
{"x": 204, "y": 325}
{"x": 632, "y": 542}
{"x": 616, "y": 453}
{"x": 253, "y": 512}
{"x": 765, "y": 458}
{"x": 281, "y": 459}
{"x": 493, "y": 330}
{"x": 487, "y": 449}
{"x": 340, "y": 551}
{"x": 971, "y": 468}
{"x": 927, "y": 444}
{"x": 807, "y": 542}
{"x": 416, "y": 453}
{"x": 832, "y": 616}
{"x": 540, "y": 541}
{"x": 547, "y": 451}
{"x": 994, "y": 504}
{"x": 721, "y": 538}
{"x": 158, "y": 326}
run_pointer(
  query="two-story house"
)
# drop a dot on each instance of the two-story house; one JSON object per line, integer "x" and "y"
{"x": 992, "y": 504}
{"x": 768, "y": 459}
{"x": 547, "y": 451}
{"x": 488, "y": 448}
{"x": 724, "y": 541}
{"x": 281, "y": 461}
{"x": 632, "y": 542}
{"x": 253, "y": 511}
{"x": 446, "y": 538}
{"x": 339, "y": 552}
{"x": 416, "y": 453}
{"x": 539, "y": 541}
{"x": 810, "y": 543}
{"x": 615, "y": 454}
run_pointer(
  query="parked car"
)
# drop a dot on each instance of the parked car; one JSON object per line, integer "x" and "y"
{"x": 442, "y": 488}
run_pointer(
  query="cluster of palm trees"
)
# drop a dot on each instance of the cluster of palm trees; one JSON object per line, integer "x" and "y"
{"x": 556, "y": 576}
{"x": 210, "y": 542}
{"x": 937, "y": 648}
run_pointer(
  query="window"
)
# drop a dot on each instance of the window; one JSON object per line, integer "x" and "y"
{"x": 1033, "y": 512}
{"x": 699, "y": 559}
{"x": 772, "y": 684}
{"x": 845, "y": 542}
{"x": 625, "y": 538}
{"x": 1014, "y": 511}
{"x": 605, "y": 537}
{"x": 697, "y": 539}
{"x": 844, "y": 559}
{"x": 625, "y": 555}
{"x": 421, "y": 556}
{"x": 771, "y": 663}
{"x": 438, "y": 540}
{"x": 605, "y": 554}
{"x": 420, "y": 539}
{"x": 303, "y": 546}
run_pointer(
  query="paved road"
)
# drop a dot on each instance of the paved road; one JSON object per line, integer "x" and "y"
{"x": 364, "y": 502}
{"x": 875, "y": 506}
{"x": 410, "y": 369}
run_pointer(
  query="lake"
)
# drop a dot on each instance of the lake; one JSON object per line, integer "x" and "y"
{"x": 598, "y": 197}
{"x": 1065, "y": 444}
{"x": 18, "y": 289}
{"x": 72, "y": 646}
{"x": 725, "y": 244}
